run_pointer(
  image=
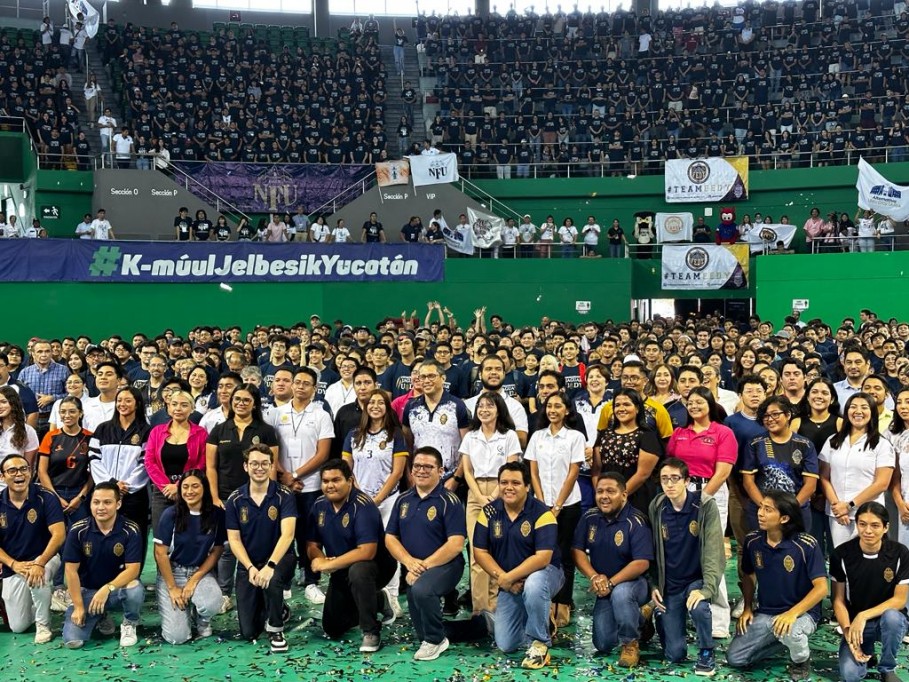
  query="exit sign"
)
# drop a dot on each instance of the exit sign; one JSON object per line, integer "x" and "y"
{"x": 50, "y": 212}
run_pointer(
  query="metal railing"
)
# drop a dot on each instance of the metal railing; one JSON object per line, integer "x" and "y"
{"x": 347, "y": 195}
{"x": 856, "y": 244}
{"x": 488, "y": 201}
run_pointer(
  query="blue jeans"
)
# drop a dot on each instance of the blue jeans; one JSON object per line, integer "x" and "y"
{"x": 889, "y": 629}
{"x": 176, "y": 624}
{"x": 522, "y": 618}
{"x": 126, "y": 599}
{"x": 616, "y": 250}
{"x": 77, "y": 514}
{"x": 617, "y": 618}
{"x": 670, "y": 624}
{"x": 424, "y": 599}
{"x": 759, "y": 641}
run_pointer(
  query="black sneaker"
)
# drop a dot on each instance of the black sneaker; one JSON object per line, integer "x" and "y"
{"x": 278, "y": 643}
{"x": 450, "y": 605}
{"x": 706, "y": 663}
{"x": 799, "y": 672}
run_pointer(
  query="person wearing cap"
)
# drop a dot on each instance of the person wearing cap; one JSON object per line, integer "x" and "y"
{"x": 31, "y": 534}
{"x": 528, "y": 233}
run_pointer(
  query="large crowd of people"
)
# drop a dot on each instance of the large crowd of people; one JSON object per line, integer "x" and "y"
{"x": 400, "y": 458}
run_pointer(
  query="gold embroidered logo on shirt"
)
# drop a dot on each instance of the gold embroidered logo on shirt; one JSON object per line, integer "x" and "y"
{"x": 496, "y": 529}
{"x": 345, "y": 520}
{"x": 431, "y": 513}
{"x": 32, "y": 515}
{"x": 759, "y": 560}
{"x": 796, "y": 456}
{"x": 244, "y": 515}
{"x": 135, "y": 440}
{"x": 664, "y": 531}
{"x": 525, "y": 528}
{"x": 255, "y": 440}
{"x": 592, "y": 533}
{"x": 87, "y": 548}
{"x": 443, "y": 419}
{"x": 788, "y": 564}
{"x": 693, "y": 528}
{"x": 273, "y": 512}
{"x": 2, "y": 520}
{"x": 619, "y": 538}
{"x": 888, "y": 574}
{"x": 383, "y": 444}
{"x": 321, "y": 521}
{"x": 404, "y": 509}
{"x": 119, "y": 549}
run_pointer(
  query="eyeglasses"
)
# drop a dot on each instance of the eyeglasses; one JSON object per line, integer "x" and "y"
{"x": 304, "y": 383}
{"x": 259, "y": 465}
{"x": 242, "y": 401}
{"x": 773, "y": 415}
{"x": 12, "y": 471}
{"x": 423, "y": 467}
{"x": 430, "y": 377}
{"x": 675, "y": 478}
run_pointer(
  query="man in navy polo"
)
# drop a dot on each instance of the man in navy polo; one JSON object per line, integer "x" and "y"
{"x": 426, "y": 534}
{"x": 613, "y": 548}
{"x": 787, "y": 567}
{"x": 261, "y": 517}
{"x": 31, "y": 533}
{"x": 516, "y": 542}
{"x": 102, "y": 556}
{"x": 345, "y": 538}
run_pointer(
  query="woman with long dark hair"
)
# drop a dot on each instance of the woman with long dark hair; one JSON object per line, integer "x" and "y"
{"x": 189, "y": 540}
{"x": 856, "y": 466}
{"x": 898, "y": 435}
{"x": 117, "y": 453}
{"x": 15, "y": 435}
{"x": 556, "y": 453}
{"x": 630, "y": 447}
{"x": 490, "y": 443}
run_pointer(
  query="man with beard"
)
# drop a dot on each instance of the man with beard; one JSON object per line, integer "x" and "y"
{"x": 492, "y": 374}
{"x": 150, "y": 387}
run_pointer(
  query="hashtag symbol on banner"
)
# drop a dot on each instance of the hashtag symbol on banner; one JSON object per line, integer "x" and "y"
{"x": 105, "y": 261}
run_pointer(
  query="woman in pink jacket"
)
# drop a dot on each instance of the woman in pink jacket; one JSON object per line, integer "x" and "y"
{"x": 173, "y": 448}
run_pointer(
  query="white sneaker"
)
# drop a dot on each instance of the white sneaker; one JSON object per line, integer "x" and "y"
{"x": 226, "y": 604}
{"x": 106, "y": 625}
{"x": 128, "y": 634}
{"x": 43, "y": 634}
{"x": 314, "y": 595}
{"x": 430, "y": 652}
{"x": 393, "y": 601}
{"x": 906, "y": 639}
{"x": 738, "y": 609}
{"x": 287, "y": 595}
{"x": 60, "y": 600}
{"x": 203, "y": 629}
{"x": 720, "y": 634}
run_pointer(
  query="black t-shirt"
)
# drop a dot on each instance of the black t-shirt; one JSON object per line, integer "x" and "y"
{"x": 373, "y": 233}
{"x": 410, "y": 233}
{"x": 183, "y": 225}
{"x": 202, "y": 230}
{"x": 870, "y": 579}
{"x": 230, "y": 451}
{"x": 222, "y": 232}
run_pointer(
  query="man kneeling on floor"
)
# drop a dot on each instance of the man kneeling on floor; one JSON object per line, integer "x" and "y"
{"x": 787, "y": 567}
{"x": 101, "y": 556}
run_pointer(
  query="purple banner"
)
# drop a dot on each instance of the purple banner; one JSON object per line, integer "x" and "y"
{"x": 270, "y": 188}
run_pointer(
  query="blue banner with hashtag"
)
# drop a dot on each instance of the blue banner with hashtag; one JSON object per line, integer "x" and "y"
{"x": 83, "y": 260}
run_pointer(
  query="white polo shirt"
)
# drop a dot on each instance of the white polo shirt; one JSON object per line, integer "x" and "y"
{"x": 299, "y": 434}
{"x": 515, "y": 409}
{"x": 554, "y": 454}
{"x": 488, "y": 454}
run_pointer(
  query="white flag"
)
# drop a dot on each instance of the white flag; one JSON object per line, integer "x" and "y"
{"x": 876, "y": 193}
{"x": 674, "y": 227}
{"x": 459, "y": 238}
{"x": 487, "y": 229}
{"x": 436, "y": 169}
{"x": 90, "y": 17}
{"x": 767, "y": 235}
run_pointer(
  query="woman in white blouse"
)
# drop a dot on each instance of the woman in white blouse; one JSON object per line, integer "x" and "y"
{"x": 556, "y": 453}
{"x": 856, "y": 465}
{"x": 490, "y": 442}
{"x": 898, "y": 435}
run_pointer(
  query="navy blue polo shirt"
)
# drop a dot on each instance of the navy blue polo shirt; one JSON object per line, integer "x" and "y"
{"x": 357, "y": 522}
{"x": 101, "y": 557}
{"x": 25, "y": 532}
{"x": 259, "y": 524}
{"x": 423, "y": 524}
{"x": 785, "y": 572}
{"x": 614, "y": 542}
{"x": 681, "y": 543}
{"x": 191, "y": 546}
{"x": 512, "y": 542}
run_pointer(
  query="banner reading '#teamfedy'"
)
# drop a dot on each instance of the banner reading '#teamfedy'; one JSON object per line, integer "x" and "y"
{"x": 705, "y": 266}
{"x": 713, "y": 179}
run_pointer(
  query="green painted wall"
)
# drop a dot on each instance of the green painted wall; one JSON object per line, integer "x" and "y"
{"x": 791, "y": 192}
{"x": 72, "y": 192}
{"x": 520, "y": 291}
{"x": 836, "y": 285}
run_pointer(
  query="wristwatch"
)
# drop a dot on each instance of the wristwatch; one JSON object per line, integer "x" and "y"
{"x": 852, "y": 504}
{"x": 111, "y": 587}
{"x": 271, "y": 564}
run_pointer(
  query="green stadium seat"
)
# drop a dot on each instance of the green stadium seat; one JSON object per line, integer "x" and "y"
{"x": 218, "y": 26}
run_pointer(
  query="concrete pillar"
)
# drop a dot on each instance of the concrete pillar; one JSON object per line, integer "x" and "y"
{"x": 320, "y": 19}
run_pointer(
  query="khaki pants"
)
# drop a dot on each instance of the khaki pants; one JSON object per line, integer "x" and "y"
{"x": 483, "y": 588}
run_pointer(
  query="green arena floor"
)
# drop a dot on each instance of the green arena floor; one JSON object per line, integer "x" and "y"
{"x": 315, "y": 659}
